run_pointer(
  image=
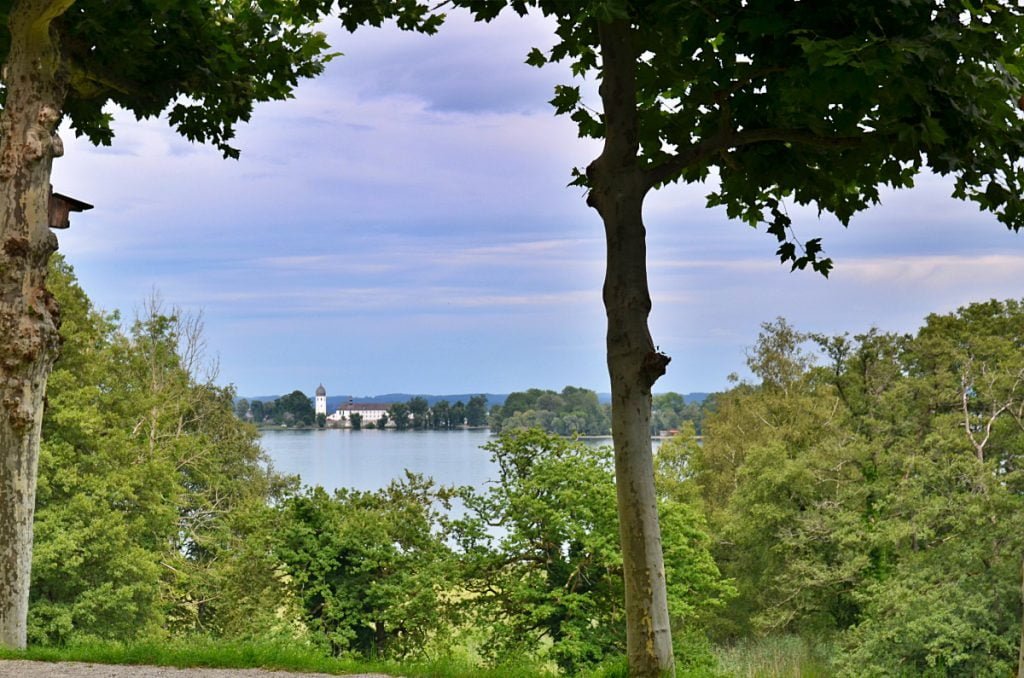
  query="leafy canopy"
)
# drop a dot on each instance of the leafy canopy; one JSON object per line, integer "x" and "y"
{"x": 205, "y": 63}
{"x": 809, "y": 103}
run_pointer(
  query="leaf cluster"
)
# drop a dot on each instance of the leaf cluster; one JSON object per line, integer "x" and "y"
{"x": 152, "y": 495}
{"x": 776, "y": 101}
{"x": 876, "y": 498}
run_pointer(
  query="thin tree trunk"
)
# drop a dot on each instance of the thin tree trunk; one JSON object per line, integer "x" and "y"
{"x": 617, "y": 190}
{"x": 28, "y": 313}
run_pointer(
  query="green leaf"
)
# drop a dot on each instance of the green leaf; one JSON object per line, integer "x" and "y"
{"x": 536, "y": 58}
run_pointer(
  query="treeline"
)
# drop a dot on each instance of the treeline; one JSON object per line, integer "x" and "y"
{"x": 865, "y": 492}
{"x": 418, "y": 414}
{"x": 571, "y": 412}
{"x": 294, "y": 409}
{"x": 577, "y": 411}
{"x": 874, "y": 495}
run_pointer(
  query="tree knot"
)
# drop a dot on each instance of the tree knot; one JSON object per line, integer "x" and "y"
{"x": 654, "y": 365}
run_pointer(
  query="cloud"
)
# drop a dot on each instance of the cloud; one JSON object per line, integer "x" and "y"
{"x": 936, "y": 272}
{"x": 410, "y": 208}
{"x": 469, "y": 67}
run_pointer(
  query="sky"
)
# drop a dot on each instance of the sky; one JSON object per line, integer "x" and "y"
{"x": 404, "y": 224}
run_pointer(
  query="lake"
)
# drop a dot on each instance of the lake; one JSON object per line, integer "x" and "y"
{"x": 370, "y": 459}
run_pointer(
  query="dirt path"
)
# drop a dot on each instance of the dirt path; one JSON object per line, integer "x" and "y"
{"x": 11, "y": 668}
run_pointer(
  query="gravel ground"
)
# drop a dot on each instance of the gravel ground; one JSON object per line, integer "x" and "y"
{"x": 25, "y": 669}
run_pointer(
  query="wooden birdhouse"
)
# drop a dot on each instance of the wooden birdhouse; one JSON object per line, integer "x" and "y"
{"x": 61, "y": 207}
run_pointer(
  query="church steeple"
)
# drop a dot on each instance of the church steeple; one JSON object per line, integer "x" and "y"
{"x": 321, "y": 400}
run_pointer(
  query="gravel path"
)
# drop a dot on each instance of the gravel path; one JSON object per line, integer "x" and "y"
{"x": 18, "y": 668}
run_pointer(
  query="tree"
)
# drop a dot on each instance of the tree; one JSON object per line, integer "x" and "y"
{"x": 781, "y": 101}
{"x": 369, "y": 568}
{"x": 550, "y": 579}
{"x": 152, "y": 511}
{"x": 256, "y": 407}
{"x": 574, "y": 411}
{"x": 476, "y": 410}
{"x": 943, "y": 410}
{"x": 440, "y": 415}
{"x": 399, "y": 413}
{"x": 67, "y": 59}
{"x": 242, "y": 408}
{"x": 419, "y": 409}
{"x": 203, "y": 63}
{"x": 875, "y": 499}
{"x": 458, "y": 414}
{"x": 357, "y": 421}
{"x": 295, "y": 408}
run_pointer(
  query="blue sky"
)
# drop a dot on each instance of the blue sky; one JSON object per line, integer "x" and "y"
{"x": 404, "y": 224}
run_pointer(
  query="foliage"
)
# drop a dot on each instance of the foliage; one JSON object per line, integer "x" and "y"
{"x": 476, "y": 410}
{"x": 775, "y": 657}
{"x": 877, "y": 498}
{"x": 419, "y": 410}
{"x": 670, "y": 411}
{"x": 766, "y": 94}
{"x": 809, "y": 103}
{"x": 398, "y": 413}
{"x": 370, "y": 569}
{"x": 542, "y": 560}
{"x": 443, "y": 416}
{"x": 226, "y": 57}
{"x": 294, "y": 409}
{"x": 152, "y": 495}
{"x": 573, "y": 411}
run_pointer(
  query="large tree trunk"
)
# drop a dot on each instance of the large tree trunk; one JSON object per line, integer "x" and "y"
{"x": 28, "y": 314}
{"x": 617, "y": 190}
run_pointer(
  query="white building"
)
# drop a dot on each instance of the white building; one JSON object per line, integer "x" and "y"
{"x": 371, "y": 413}
{"x": 321, "y": 400}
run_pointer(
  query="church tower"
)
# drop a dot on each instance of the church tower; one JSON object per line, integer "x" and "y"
{"x": 321, "y": 400}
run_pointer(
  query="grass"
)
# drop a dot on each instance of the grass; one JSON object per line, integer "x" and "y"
{"x": 773, "y": 657}
{"x": 271, "y": 655}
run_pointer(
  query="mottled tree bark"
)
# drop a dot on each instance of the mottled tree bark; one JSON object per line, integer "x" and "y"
{"x": 617, "y": 189}
{"x": 28, "y": 313}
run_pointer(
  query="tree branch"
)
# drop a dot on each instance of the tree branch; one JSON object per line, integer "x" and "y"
{"x": 697, "y": 153}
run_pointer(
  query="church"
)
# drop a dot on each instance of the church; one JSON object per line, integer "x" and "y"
{"x": 371, "y": 413}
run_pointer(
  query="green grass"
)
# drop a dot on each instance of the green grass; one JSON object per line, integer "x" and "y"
{"x": 774, "y": 657}
{"x": 272, "y": 655}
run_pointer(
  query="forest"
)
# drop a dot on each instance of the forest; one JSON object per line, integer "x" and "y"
{"x": 861, "y": 493}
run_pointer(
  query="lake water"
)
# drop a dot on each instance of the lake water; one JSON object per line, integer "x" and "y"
{"x": 370, "y": 459}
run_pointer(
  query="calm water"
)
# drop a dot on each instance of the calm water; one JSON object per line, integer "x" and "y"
{"x": 369, "y": 460}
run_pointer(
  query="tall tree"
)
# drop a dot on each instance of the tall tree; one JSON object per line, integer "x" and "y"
{"x": 202, "y": 62}
{"x": 399, "y": 413}
{"x": 476, "y": 410}
{"x": 419, "y": 409}
{"x": 812, "y": 103}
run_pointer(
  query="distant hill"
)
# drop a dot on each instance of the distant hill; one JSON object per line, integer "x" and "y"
{"x": 334, "y": 401}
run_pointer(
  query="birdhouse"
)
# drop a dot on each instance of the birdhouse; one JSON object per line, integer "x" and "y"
{"x": 61, "y": 207}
